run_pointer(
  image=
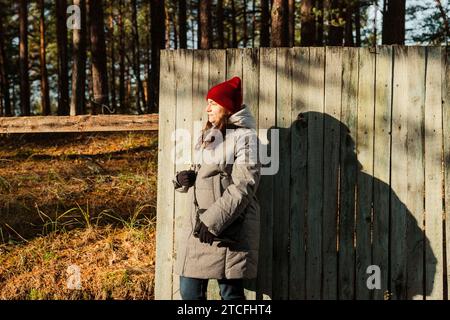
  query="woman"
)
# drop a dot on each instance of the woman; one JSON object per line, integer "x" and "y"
{"x": 221, "y": 236}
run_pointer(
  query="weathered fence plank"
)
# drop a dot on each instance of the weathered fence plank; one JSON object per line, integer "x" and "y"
{"x": 314, "y": 258}
{"x": 250, "y": 86}
{"x": 332, "y": 110}
{"x": 234, "y": 63}
{"x": 298, "y": 187}
{"x": 348, "y": 170}
{"x": 83, "y": 123}
{"x": 166, "y": 170}
{"x": 250, "y": 80}
{"x": 200, "y": 86}
{"x": 399, "y": 188}
{"x": 433, "y": 175}
{"x": 381, "y": 167}
{"x": 415, "y": 169}
{"x": 281, "y": 179}
{"x": 364, "y": 146}
{"x": 267, "y": 120}
{"x": 445, "y": 78}
{"x": 183, "y": 146}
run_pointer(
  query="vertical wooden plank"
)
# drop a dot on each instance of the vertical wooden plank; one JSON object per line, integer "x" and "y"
{"x": 200, "y": 87}
{"x": 315, "y": 175}
{"x": 364, "y": 145}
{"x": 415, "y": 177}
{"x": 348, "y": 170}
{"x": 446, "y": 138}
{"x": 217, "y": 74}
{"x": 399, "y": 188}
{"x": 299, "y": 158}
{"x": 281, "y": 179}
{"x": 267, "y": 104}
{"x": 217, "y": 66}
{"x": 166, "y": 170}
{"x": 183, "y": 146}
{"x": 250, "y": 78}
{"x": 433, "y": 176}
{"x": 381, "y": 163}
{"x": 332, "y": 116}
{"x": 234, "y": 63}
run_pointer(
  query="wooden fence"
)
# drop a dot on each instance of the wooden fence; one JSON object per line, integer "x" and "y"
{"x": 364, "y": 175}
{"x": 82, "y": 123}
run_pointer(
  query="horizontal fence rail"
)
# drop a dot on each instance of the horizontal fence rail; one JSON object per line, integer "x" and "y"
{"x": 82, "y": 123}
{"x": 357, "y": 209}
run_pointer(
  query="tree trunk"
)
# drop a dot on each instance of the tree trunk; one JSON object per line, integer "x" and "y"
{"x": 167, "y": 24}
{"x": 220, "y": 34}
{"x": 264, "y": 26}
{"x": 336, "y": 31}
{"x": 158, "y": 31}
{"x": 63, "y": 76}
{"x": 394, "y": 22}
{"x": 308, "y": 25}
{"x": 358, "y": 23}
{"x": 45, "y": 97}
{"x": 291, "y": 23}
{"x": 121, "y": 58}
{"x": 89, "y": 80}
{"x": 280, "y": 28}
{"x": 182, "y": 23}
{"x": 348, "y": 39}
{"x": 77, "y": 105}
{"x": 253, "y": 23}
{"x": 234, "y": 43}
{"x": 127, "y": 87}
{"x": 148, "y": 60}
{"x": 245, "y": 32}
{"x": 98, "y": 48}
{"x": 1, "y": 98}
{"x": 205, "y": 24}
{"x": 320, "y": 25}
{"x": 113, "y": 56}
{"x": 136, "y": 56}
{"x": 445, "y": 19}
{"x": 173, "y": 19}
{"x": 23, "y": 52}
{"x": 4, "y": 72}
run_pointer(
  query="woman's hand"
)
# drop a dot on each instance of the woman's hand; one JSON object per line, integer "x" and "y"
{"x": 186, "y": 178}
{"x": 204, "y": 235}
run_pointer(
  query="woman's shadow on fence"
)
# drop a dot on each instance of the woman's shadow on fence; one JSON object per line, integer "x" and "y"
{"x": 388, "y": 236}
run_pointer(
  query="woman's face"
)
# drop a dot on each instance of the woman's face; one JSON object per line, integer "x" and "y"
{"x": 215, "y": 112}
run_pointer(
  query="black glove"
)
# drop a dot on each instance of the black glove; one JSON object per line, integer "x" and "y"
{"x": 186, "y": 178}
{"x": 204, "y": 235}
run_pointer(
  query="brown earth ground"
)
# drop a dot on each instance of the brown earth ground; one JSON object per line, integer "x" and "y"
{"x": 82, "y": 202}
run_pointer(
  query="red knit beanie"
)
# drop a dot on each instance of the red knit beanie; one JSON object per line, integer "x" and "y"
{"x": 228, "y": 94}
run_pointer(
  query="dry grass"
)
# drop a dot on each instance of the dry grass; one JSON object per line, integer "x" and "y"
{"x": 114, "y": 263}
{"x": 77, "y": 199}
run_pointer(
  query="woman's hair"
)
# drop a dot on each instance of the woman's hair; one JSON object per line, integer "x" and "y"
{"x": 221, "y": 126}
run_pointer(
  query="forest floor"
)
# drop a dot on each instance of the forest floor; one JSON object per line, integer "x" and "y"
{"x": 78, "y": 215}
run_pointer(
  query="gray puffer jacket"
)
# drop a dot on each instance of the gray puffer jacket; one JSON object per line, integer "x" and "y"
{"x": 226, "y": 190}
